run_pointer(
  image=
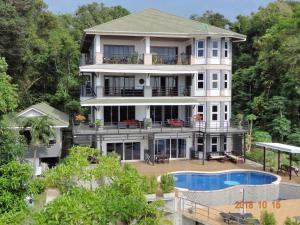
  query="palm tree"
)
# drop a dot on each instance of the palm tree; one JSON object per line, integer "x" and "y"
{"x": 41, "y": 131}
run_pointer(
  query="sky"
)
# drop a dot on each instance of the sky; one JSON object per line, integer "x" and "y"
{"x": 229, "y": 8}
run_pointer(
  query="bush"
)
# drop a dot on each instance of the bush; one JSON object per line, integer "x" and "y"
{"x": 36, "y": 186}
{"x": 151, "y": 184}
{"x": 268, "y": 218}
{"x": 262, "y": 136}
{"x": 167, "y": 183}
{"x": 289, "y": 221}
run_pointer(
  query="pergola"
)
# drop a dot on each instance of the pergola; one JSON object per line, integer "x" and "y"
{"x": 288, "y": 149}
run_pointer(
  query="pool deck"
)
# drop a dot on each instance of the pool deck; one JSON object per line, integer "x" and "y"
{"x": 287, "y": 208}
{"x": 196, "y": 165}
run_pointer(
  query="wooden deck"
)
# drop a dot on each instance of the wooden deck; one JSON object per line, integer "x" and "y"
{"x": 196, "y": 165}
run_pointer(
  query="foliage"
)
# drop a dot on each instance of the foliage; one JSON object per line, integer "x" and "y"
{"x": 119, "y": 198}
{"x": 268, "y": 218}
{"x": 151, "y": 184}
{"x": 98, "y": 123}
{"x": 167, "y": 183}
{"x": 289, "y": 221}
{"x": 294, "y": 138}
{"x": 8, "y": 91}
{"x": 212, "y": 18}
{"x": 11, "y": 144}
{"x": 262, "y": 136}
{"x": 80, "y": 118}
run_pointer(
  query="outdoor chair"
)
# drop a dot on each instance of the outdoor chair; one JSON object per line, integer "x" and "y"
{"x": 216, "y": 156}
{"x": 234, "y": 158}
{"x": 239, "y": 218}
{"x": 148, "y": 159}
{"x": 286, "y": 169}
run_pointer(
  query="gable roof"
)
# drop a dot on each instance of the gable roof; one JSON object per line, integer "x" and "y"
{"x": 153, "y": 22}
{"x": 58, "y": 118}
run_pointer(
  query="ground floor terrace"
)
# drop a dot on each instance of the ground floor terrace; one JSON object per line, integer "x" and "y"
{"x": 196, "y": 165}
{"x": 172, "y": 143}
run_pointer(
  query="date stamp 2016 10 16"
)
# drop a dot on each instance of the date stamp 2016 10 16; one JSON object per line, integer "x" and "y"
{"x": 260, "y": 204}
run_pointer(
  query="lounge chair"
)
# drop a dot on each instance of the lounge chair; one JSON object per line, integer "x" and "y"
{"x": 239, "y": 218}
{"x": 216, "y": 156}
{"x": 234, "y": 158}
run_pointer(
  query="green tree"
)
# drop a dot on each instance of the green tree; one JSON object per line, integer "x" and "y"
{"x": 268, "y": 218}
{"x": 212, "y": 18}
{"x": 40, "y": 131}
{"x": 119, "y": 198}
{"x": 8, "y": 91}
{"x": 281, "y": 128}
{"x": 289, "y": 221}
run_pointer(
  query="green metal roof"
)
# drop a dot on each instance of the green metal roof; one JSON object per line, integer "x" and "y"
{"x": 57, "y": 117}
{"x": 153, "y": 22}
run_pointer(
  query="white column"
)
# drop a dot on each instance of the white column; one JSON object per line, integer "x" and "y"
{"x": 147, "y": 111}
{"x": 98, "y": 112}
{"x": 97, "y": 44}
{"x": 147, "y": 43}
{"x": 194, "y": 86}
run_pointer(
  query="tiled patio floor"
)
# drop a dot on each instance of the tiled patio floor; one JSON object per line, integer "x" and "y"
{"x": 196, "y": 165}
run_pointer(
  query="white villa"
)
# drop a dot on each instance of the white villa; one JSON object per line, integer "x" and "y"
{"x": 158, "y": 84}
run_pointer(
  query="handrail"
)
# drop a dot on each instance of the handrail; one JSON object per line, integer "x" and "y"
{"x": 123, "y": 91}
{"x": 182, "y": 59}
{"x": 203, "y": 213}
{"x": 87, "y": 91}
{"x": 124, "y": 59}
{"x": 171, "y": 91}
{"x": 221, "y": 126}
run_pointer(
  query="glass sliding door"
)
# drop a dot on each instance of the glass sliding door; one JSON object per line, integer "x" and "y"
{"x": 127, "y": 150}
{"x": 173, "y": 148}
{"x": 114, "y": 114}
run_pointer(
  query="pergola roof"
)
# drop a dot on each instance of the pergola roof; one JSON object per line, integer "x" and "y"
{"x": 280, "y": 147}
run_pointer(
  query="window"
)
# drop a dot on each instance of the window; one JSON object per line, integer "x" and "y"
{"x": 201, "y": 112}
{"x": 214, "y": 112}
{"x": 118, "y": 50}
{"x": 226, "y": 113}
{"x": 226, "y": 49}
{"x": 200, "y": 80}
{"x": 215, "y": 48}
{"x": 200, "y": 49}
{"x": 174, "y": 148}
{"x": 225, "y": 144}
{"x": 215, "y": 81}
{"x": 214, "y": 144}
{"x": 225, "y": 80}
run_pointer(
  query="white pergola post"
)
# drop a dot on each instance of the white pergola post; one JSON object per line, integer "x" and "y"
{"x": 98, "y": 86}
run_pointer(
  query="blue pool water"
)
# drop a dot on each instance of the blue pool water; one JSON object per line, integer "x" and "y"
{"x": 217, "y": 181}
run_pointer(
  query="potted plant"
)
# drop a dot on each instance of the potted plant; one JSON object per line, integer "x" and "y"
{"x": 151, "y": 188}
{"x": 98, "y": 123}
{"x": 148, "y": 123}
{"x": 79, "y": 118}
{"x": 167, "y": 184}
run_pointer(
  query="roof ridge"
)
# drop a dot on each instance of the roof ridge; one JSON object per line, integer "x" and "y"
{"x": 48, "y": 105}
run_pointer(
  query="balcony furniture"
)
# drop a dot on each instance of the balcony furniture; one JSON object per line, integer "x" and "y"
{"x": 131, "y": 123}
{"x": 216, "y": 156}
{"x": 287, "y": 169}
{"x": 239, "y": 218}
{"x": 234, "y": 158}
{"x": 162, "y": 158}
{"x": 175, "y": 122}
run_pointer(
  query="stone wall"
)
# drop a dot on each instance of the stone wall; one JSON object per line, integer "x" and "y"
{"x": 289, "y": 191}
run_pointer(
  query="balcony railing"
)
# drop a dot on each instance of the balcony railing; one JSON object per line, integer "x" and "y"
{"x": 87, "y": 91}
{"x": 133, "y": 126}
{"x": 222, "y": 126}
{"x": 124, "y": 92}
{"x": 124, "y": 59}
{"x": 182, "y": 59}
{"x": 171, "y": 91}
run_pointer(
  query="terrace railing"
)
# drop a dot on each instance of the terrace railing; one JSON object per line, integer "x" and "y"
{"x": 124, "y": 59}
{"x": 182, "y": 59}
{"x": 124, "y": 92}
{"x": 222, "y": 126}
{"x": 87, "y": 91}
{"x": 171, "y": 91}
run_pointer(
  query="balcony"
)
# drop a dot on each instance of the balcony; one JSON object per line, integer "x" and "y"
{"x": 183, "y": 59}
{"x": 123, "y": 92}
{"x": 124, "y": 59}
{"x": 87, "y": 91}
{"x": 134, "y": 126}
{"x": 223, "y": 126}
{"x": 171, "y": 91}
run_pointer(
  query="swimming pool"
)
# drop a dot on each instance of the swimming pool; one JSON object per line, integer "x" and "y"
{"x": 200, "y": 181}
